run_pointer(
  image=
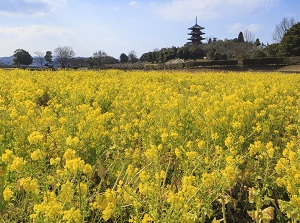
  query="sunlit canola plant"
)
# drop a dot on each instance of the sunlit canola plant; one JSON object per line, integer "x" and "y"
{"x": 156, "y": 146}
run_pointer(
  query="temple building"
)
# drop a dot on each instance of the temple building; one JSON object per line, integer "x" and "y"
{"x": 196, "y": 34}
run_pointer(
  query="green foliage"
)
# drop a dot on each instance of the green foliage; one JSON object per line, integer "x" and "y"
{"x": 48, "y": 57}
{"x": 214, "y": 54}
{"x": 273, "y": 50}
{"x": 290, "y": 43}
{"x": 258, "y": 53}
{"x": 123, "y": 58}
{"x": 165, "y": 54}
{"x": 22, "y": 57}
{"x": 99, "y": 59}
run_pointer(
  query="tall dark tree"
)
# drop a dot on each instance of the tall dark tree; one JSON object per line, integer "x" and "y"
{"x": 64, "y": 54}
{"x": 48, "y": 57}
{"x": 22, "y": 57}
{"x": 281, "y": 28}
{"x": 257, "y": 42}
{"x": 290, "y": 43}
{"x": 123, "y": 58}
{"x": 240, "y": 38}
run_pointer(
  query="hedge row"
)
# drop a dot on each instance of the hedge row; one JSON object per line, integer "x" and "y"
{"x": 266, "y": 61}
{"x": 210, "y": 63}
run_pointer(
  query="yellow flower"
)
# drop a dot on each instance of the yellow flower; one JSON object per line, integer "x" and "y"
{"x": 17, "y": 164}
{"x": 87, "y": 170}
{"x": 161, "y": 175}
{"x": 164, "y": 137}
{"x": 29, "y": 184}
{"x": 30, "y": 104}
{"x": 36, "y": 155}
{"x": 54, "y": 161}
{"x": 144, "y": 176}
{"x": 147, "y": 218}
{"x": 228, "y": 141}
{"x": 82, "y": 188}
{"x": 270, "y": 149}
{"x": 69, "y": 154}
{"x": 108, "y": 211}
{"x": 8, "y": 156}
{"x": 255, "y": 148}
{"x": 50, "y": 208}
{"x": 72, "y": 216}
{"x": 191, "y": 155}
{"x": 35, "y": 137}
{"x": 178, "y": 153}
{"x": 73, "y": 142}
{"x": 7, "y": 194}
{"x": 67, "y": 192}
{"x": 74, "y": 165}
{"x": 295, "y": 201}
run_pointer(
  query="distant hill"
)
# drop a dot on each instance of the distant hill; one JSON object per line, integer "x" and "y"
{"x": 6, "y": 60}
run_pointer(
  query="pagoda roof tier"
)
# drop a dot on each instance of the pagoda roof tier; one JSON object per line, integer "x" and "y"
{"x": 196, "y": 33}
{"x": 196, "y": 38}
{"x": 196, "y": 26}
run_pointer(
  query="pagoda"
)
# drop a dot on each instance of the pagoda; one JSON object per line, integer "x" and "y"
{"x": 196, "y": 34}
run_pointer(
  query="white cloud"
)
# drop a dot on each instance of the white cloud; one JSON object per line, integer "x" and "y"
{"x": 238, "y": 27}
{"x": 116, "y": 8}
{"x": 32, "y": 31}
{"x": 212, "y": 9}
{"x": 134, "y": 3}
{"x": 31, "y": 8}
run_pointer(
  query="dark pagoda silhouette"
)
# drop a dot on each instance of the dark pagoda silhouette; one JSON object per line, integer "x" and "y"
{"x": 196, "y": 34}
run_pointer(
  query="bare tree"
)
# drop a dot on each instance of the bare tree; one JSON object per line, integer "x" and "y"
{"x": 39, "y": 57}
{"x": 249, "y": 36}
{"x": 99, "y": 54}
{"x": 132, "y": 57}
{"x": 282, "y": 28}
{"x": 64, "y": 54}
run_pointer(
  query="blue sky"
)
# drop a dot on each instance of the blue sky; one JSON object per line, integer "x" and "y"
{"x": 119, "y": 26}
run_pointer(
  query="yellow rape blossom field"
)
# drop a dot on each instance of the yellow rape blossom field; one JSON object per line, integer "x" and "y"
{"x": 157, "y": 146}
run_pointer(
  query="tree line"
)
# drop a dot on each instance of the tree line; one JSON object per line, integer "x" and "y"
{"x": 286, "y": 37}
{"x": 65, "y": 57}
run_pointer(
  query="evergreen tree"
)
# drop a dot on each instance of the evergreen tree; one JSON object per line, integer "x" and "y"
{"x": 22, "y": 57}
{"x": 257, "y": 42}
{"x": 48, "y": 57}
{"x": 123, "y": 58}
{"x": 240, "y": 38}
{"x": 290, "y": 43}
